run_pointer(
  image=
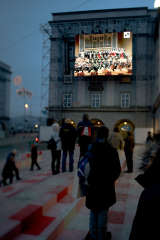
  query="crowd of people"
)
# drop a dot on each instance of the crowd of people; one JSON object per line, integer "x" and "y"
{"x": 115, "y": 61}
{"x": 104, "y": 170}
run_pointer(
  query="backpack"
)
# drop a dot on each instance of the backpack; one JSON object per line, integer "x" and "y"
{"x": 52, "y": 145}
{"x": 86, "y": 131}
{"x": 83, "y": 171}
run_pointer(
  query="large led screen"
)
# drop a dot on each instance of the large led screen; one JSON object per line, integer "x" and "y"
{"x": 103, "y": 54}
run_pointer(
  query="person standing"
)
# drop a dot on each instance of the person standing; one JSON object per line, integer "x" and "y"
{"x": 149, "y": 140}
{"x": 34, "y": 156}
{"x": 100, "y": 196}
{"x": 116, "y": 139}
{"x": 55, "y": 149}
{"x": 9, "y": 168}
{"x": 145, "y": 224}
{"x": 68, "y": 139}
{"x": 85, "y": 134}
{"x": 128, "y": 150}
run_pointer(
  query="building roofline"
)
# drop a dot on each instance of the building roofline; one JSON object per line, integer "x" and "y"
{"x": 102, "y": 11}
{"x": 5, "y": 66}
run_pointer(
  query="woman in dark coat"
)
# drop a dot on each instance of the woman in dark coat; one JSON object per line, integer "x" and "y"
{"x": 146, "y": 223}
{"x": 104, "y": 170}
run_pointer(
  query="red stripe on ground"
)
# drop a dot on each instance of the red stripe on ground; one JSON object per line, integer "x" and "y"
{"x": 122, "y": 196}
{"x": 36, "y": 228}
{"x": 57, "y": 189}
{"x": 33, "y": 180}
{"x": 14, "y": 193}
{"x": 28, "y": 211}
{"x": 44, "y": 174}
{"x": 67, "y": 199}
{"x": 62, "y": 194}
{"x": 7, "y": 189}
{"x": 123, "y": 185}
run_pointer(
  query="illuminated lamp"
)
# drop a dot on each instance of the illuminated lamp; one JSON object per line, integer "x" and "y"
{"x": 28, "y": 155}
{"x": 125, "y": 123}
{"x": 156, "y": 4}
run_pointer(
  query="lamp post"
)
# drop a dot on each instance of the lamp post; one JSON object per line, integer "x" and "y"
{"x": 26, "y": 107}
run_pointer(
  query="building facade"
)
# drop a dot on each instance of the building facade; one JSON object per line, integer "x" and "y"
{"x": 5, "y": 85}
{"x": 104, "y": 63}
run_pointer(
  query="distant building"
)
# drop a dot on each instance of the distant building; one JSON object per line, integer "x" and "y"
{"x": 105, "y": 63}
{"x": 27, "y": 123}
{"x": 5, "y": 85}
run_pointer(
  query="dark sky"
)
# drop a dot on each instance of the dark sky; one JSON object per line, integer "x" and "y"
{"x": 21, "y": 39}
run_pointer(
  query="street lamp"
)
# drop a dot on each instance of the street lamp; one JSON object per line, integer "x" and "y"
{"x": 26, "y": 106}
{"x": 156, "y": 4}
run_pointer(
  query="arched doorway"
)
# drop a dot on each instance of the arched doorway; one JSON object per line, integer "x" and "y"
{"x": 68, "y": 120}
{"x": 124, "y": 126}
{"x": 97, "y": 122}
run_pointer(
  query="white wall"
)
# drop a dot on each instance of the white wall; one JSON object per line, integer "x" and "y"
{"x": 141, "y": 134}
{"x": 45, "y": 133}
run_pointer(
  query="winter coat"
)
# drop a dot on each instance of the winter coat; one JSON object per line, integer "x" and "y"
{"x": 55, "y": 135}
{"x": 146, "y": 223}
{"x": 104, "y": 170}
{"x": 80, "y": 128}
{"x": 68, "y": 136}
{"x": 129, "y": 144}
{"x": 34, "y": 152}
{"x": 9, "y": 166}
{"x": 116, "y": 140}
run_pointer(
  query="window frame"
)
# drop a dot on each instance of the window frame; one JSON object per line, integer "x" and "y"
{"x": 67, "y": 100}
{"x": 125, "y": 103}
{"x": 95, "y": 100}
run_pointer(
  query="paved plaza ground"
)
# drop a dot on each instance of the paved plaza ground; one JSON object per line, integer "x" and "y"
{"x": 41, "y": 205}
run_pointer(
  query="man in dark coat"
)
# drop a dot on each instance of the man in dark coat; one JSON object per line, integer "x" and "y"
{"x": 128, "y": 150}
{"x": 9, "y": 168}
{"x": 34, "y": 156}
{"x": 68, "y": 139}
{"x": 146, "y": 223}
{"x": 85, "y": 134}
{"x": 104, "y": 170}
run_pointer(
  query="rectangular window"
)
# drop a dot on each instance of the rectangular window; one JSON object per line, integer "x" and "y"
{"x": 125, "y": 100}
{"x": 67, "y": 100}
{"x": 95, "y": 100}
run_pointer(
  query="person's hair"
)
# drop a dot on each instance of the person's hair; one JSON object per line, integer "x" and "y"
{"x": 116, "y": 129}
{"x": 85, "y": 117}
{"x": 14, "y": 151}
{"x": 103, "y": 132}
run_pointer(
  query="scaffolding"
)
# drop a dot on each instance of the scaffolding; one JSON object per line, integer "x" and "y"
{"x": 45, "y": 69}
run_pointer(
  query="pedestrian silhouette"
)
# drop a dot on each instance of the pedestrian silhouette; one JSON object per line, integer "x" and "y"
{"x": 68, "y": 139}
{"x": 145, "y": 224}
{"x": 34, "y": 156}
{"x": 10, "y": 168}
{"x": 104, "y": 170}
{"x": 128, "y": 150}
{"x": 85, "y": 133}
{"x": 54, "y": 145}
